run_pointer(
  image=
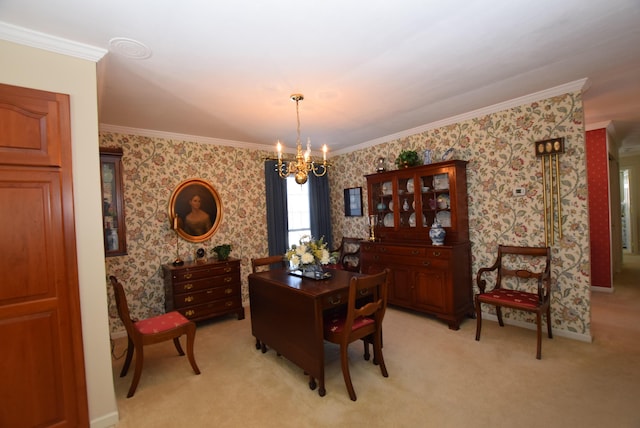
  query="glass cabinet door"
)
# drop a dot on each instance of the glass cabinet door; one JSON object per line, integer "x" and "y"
{"x": 113, "y": 224}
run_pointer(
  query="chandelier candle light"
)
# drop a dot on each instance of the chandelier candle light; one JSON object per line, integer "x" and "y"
{"x": 303, "y": 163}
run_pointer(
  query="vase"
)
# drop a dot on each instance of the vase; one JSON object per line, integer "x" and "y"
{"x": 437, "y": 233}
{"x": 427, "y": 158}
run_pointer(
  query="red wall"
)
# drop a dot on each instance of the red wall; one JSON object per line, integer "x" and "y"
{"x": 600, "y": 229}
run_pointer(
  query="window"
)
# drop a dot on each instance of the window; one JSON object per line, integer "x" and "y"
{"x": 298, "y": 210}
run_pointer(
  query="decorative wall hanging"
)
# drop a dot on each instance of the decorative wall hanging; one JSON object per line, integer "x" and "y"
{"x": 195, "y": 210}
{"x": 548, "y": 151}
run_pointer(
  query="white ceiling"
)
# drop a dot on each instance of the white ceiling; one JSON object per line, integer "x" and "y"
{"x": 367, "y": 68}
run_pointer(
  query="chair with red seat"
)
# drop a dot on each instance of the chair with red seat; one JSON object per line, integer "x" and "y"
{"x": 365, "y": 310}
{"x": 518, "y": 265}
{"x": 157, "y": 329}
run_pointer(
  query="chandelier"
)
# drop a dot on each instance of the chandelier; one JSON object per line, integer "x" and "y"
{"x": 303, "y": 163}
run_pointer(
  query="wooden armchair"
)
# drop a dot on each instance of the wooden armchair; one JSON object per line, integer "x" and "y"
{"x": 517, "y": 265}
{"x": 349, "y": 255}
{"x": 157, "y": 329}
{"x": 362, "y": 320}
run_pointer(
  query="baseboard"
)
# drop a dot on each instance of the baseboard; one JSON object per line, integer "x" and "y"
{"x": 106, "y": 421}
{"x": 602, "y": 289}
{"x": 562, "y": 333}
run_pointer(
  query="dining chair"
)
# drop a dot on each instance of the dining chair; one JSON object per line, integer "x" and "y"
{"x": 148, "y": 331}
{"x": 366, "y": 306}
{"x": 518, "y": 266}
{"x": 261, "y": 264}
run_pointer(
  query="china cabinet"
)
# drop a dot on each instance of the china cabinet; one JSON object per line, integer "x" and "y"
{"x": 430, "y": 277}
{"x": 113, "y": 224}
{"x": 201, "y": 290}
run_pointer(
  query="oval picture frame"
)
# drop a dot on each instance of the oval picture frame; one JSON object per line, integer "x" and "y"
{"x": 193, "y": 221}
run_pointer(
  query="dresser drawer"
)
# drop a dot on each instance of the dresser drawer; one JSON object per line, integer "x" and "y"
{"x": 393, "y": 250}
{"x": 198, "y": 272}
{"x": 205, "y": 296}
{"x": 207, "y": 310}
{"x": 201, "y": 284}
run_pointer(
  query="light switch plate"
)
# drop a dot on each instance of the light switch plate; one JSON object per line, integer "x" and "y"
{"x": 519, "y": 191}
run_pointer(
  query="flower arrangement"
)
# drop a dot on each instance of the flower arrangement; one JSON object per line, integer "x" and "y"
{"x": 407, "y": 158}
{"x": 309, "y": 252}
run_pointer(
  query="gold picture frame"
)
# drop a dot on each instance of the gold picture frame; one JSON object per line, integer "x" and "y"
{"x": 195, "y": 210}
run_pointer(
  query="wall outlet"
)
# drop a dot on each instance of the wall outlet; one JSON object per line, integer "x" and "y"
{"x": 519, "y": 191}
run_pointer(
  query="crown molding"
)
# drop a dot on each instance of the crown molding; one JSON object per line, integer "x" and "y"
{"x": 183, "y": 137}
{"x": 25, "y": 36}
{"x": 576, "y": 85}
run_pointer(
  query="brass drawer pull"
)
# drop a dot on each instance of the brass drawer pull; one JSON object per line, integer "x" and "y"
{"x": 415, "y": 252}
{"x": 335, "y": 301}
{"x": 228, "y": 279}
{"x": 190, "y": 313}
{"x": 228, "y": 304}
{"x": 228, "y": 290}
{"x": 188, "y": 275}
{"x": 436, "y": 253}
{"x": 187, "y": 286}
{"x": 188, "y": 299}
{"x": 227, "y": 269}
{"x": 426, "y": 263}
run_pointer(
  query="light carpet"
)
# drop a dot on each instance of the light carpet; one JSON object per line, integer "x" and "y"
{"x": 437, "y": 377}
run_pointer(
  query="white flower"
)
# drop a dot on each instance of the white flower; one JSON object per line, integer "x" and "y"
{"x": 301, "y": 250}
{"x": 307, "y": 258}
{"x": 325, "y": 257}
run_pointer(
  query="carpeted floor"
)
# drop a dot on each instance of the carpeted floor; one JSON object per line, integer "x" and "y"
{"x": 437, "y": 377}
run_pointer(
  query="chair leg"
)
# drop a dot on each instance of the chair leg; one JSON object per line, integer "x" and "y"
{"x": 539, "y": 331}
{"x": 127, "y": 360}
{"x": 176, "y": 342}
{"x": 367, "y": 355}
{"x": 377, "y": 352}
{"x": 191, "y": 336}
{"x": 258, "y": 344}
{"x": 344, "y": 358}
{"x": 550, "y": 334}
{"x": 137, "y": 371}
{"x": 499, "y": 314}
{"x": 478, "y": 319}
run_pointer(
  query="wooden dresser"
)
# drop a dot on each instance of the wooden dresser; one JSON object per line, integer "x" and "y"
{"x": 435, "y": 279}
{"x": 201, "y": 290}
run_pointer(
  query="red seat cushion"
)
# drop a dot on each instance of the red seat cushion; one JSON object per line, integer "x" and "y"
{"x": 521, "y": 298}
{"x": 334, "y": 266}
{"x": 336, "y": 323}
{"x": 161, "y": 323}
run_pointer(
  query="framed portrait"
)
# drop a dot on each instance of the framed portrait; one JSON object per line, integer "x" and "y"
{"x": 195, "y": 210}
{"x": 353, "y": 202}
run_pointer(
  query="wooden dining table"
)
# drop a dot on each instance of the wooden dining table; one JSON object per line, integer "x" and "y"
{"x": 287, "y": 315}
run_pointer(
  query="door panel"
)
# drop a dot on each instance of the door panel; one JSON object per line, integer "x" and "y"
{"x": 41, "y": 362}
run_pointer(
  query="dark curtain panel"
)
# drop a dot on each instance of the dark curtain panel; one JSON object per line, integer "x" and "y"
{"x": 277, "y": 224}
{"x": 320, "y": 208}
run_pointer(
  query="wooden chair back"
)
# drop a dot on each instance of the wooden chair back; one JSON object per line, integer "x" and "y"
{"x": 266, "y": 263}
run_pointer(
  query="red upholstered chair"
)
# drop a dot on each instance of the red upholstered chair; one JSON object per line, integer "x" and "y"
{"x": 518, "y": 266}
{"x": 171, "y": 325}
{"x": 366, "y": 306}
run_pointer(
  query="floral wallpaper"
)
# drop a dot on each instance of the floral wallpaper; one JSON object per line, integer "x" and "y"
{"x": 499, "y": 148}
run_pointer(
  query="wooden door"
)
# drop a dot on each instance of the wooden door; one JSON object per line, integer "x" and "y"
{"x": 41, "y": 361}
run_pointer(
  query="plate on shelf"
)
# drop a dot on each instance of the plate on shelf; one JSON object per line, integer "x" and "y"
{"x": 441, "y": 181}
{"x": 443, "y": 201}
{"x": 388, "y": 220}
{"x": 410, "y": 185}
{"x": 444, "y": 218}
{"x": 448, "y": 154}
{"x": 390, "y": 205}
{"x": 387, "y": 188}
{"x": 412, "y": 220}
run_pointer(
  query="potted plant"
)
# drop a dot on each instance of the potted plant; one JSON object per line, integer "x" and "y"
{"x": 222, "y": 251}
{"x": 407, "y": 158}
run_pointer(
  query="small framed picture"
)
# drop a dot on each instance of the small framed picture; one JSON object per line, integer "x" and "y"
{"x": 353, "y": 202}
